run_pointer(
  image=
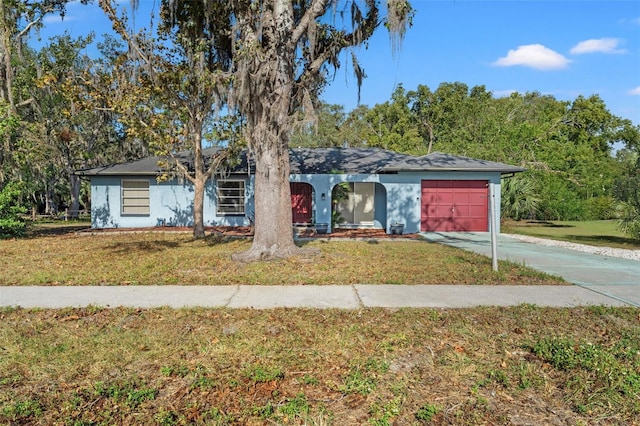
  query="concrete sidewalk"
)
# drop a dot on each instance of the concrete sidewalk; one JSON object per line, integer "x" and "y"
{"x": 330, "y": 296}
{"x": 611, "y": 276}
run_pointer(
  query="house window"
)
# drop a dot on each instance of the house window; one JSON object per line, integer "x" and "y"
{"x": 135, "y": 197}
{"x": 230, "y": 195}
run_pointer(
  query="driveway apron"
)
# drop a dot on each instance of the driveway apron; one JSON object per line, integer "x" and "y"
{"x": 612, "y": 276}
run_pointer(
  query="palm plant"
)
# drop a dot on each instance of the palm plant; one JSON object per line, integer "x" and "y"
{"x": 519, "y": 198}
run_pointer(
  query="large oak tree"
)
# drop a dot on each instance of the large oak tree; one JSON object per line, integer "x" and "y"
{"x": 283, "y": 53}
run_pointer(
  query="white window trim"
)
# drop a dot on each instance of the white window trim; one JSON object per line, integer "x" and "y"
{"x": 241, "y": 197}
{"x": 122, "y": 198}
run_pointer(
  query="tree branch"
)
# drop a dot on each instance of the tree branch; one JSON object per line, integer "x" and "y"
{"x": 28, "y": 27}
{"x": 218, "y": 159}
{"x": 362, "y": 32}
{"x": 183, "y": 169}
{"x": 119, "y": 28}
{"x": 25, "y": 103}
{"x": 317, "y": 9}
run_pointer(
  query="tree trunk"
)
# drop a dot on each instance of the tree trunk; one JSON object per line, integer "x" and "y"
{"x": 198, "y": 186}
{"x": 198, "y": 208}
{"x": 74, "y": 189}
{"x": 268, "y": 110}
{"x": 51, "y": 207}
{"x": 273, "y": 235}
{"x": 6, "y": 89}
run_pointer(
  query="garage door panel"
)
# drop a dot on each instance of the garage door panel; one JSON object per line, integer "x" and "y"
{"x": 445, "y": 197}
{"x": 461, "y": 211}
{"x": 443, "y": 211}
{"x": 477, "y": 211}
{"x": 460, "y": 198}
{"x": 450, "y": 205}
{"x": 477, "y": 184}
{"x": 477, "y": 225}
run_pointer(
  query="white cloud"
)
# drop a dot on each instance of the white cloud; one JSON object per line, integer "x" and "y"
{"x": 534, "y": 56}
{"x": 635, "y": 91}
{"x": 56, "y": 19}
{"x": 74, "y": 11}
{"x": 503, "y": 93}
{"x": 603, "y": 45}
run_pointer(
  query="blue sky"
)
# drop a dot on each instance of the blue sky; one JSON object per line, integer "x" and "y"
{"x": 562, "y": 48}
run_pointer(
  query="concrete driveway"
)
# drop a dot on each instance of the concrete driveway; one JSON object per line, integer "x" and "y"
{"x": 612, "y": 276}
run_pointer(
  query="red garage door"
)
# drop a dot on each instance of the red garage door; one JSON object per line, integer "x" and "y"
{"x": 455, "y": 205}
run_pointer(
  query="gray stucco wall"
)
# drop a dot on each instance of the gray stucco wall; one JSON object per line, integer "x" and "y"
{"x": 171, "y": 202}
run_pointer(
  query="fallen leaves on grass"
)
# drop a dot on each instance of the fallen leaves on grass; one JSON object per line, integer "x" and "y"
{"x": 332, "y": 367}
{"x": 169, "y": 258}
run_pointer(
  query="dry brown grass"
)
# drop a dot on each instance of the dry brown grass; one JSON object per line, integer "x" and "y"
{"x": 320, "y": 367}
{"x": 176, "y": 258}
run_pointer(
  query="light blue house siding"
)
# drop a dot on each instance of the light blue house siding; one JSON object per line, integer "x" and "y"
{"x": 170, "y": 204}
{"x": 397, "y": 199}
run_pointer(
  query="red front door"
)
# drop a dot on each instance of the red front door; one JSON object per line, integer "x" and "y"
{"x": 301, "y": 202}
{"x": 455, "y": 205}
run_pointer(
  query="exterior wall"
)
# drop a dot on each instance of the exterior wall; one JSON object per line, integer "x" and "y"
{"x": 403, "y": 194}
{"x": 171, "y": 202}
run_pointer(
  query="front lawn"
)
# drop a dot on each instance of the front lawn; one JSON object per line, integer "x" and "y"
{"x": 482, "y": 366}
{"x": 176, "y": 258}
{"x": 602, "y": 233}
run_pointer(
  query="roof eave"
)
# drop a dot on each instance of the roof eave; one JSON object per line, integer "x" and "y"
{"x": 447, "y": 169}
{"x": 94, "y": 174}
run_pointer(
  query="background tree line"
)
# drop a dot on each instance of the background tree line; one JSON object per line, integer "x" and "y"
{"x": 56, "y": 115}
{"x": 62, "y": 110}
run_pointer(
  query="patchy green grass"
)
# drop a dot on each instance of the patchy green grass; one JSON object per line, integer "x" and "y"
{"x": 519, "y": 365}
{"x": 177, "y": 258}
{"x": 595, "y": 232}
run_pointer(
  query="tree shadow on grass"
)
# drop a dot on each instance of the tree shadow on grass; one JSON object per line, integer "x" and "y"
{"x": 547, "y": 224}
{"x": 218, "y": 240}
{"x": 132, "y": 247}
{"x": 40, "y": 231}
{"x": 607, "y": 240}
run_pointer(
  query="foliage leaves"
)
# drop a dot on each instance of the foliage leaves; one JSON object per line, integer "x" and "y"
{"x": 567, "y": 147}
{"x": 11, "y": 222}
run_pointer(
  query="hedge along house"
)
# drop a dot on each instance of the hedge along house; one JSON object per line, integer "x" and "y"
{"x": 335, "y": 187}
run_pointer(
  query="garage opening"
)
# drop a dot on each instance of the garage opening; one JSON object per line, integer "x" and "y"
{"x": 455, "y": 205}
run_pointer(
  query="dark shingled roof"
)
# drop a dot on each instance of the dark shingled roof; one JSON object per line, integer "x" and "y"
{"x": 325, "y": 161}
{"x": 437, "y": 161}
{"x": 343, "y": 160}
{"x": 144, "y": 167}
